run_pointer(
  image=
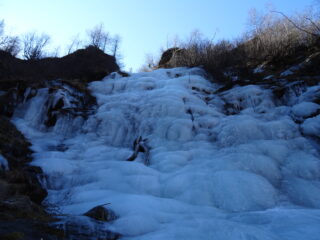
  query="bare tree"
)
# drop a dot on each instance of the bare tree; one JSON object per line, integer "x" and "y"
{"x": 115, "y": 45}
{"x": 33, "y": 45}
{"x": 273, "y": 36}
{"x": 54, "y": 53}
{"x": 98, "y": 37}
{"x": 195, "y": 37}
{"x": 74, "y": 45}
{"x": 150, "y": 64}
{"x": 312, "y": 23}
{"x": 114, "y": 50}
{"x": 10, "y": 44}
{"x": 172, "y": 42}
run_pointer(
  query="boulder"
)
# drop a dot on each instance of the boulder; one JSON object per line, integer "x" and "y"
{"x": 167, "y": 55}
{"x": 172, "y": 57}
{"x": 101, "y": 213}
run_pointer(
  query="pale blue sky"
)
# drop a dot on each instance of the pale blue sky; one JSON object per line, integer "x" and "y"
{"x": 143, "y": 25}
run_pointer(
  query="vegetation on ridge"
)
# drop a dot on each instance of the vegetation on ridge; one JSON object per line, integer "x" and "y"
{"x": 272, "y": 38}
{"x": 34, "y": 46}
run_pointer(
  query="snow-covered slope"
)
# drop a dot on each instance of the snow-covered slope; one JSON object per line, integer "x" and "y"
{"x": 233, "y": 165}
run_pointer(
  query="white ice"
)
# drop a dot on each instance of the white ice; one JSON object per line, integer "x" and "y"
{"x": 259, "y": 69}
{"x": 305, "y": 109}
{"x": 291, "y": 70}
{"x": 222, "y": 166}
{"x": 312, "y": 126}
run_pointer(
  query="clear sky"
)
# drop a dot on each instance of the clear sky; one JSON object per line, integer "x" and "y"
{"x": 143, "y": 25}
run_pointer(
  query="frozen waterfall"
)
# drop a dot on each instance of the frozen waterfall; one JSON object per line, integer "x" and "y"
{"x": 224, "y": 166}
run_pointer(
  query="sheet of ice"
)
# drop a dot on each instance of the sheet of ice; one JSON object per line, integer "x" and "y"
{"x": 259, "y": 69}
{"x": 286, "y": 73}
{"x": 268, "y": 77}
{"x": 212, "y": 175}
{"x": 3, "y": 163}
{"x": 281, "y": 220}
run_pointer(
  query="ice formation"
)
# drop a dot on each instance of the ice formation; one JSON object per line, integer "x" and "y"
{"x": 225, "y": 166}
{"x": 3, "y": 163}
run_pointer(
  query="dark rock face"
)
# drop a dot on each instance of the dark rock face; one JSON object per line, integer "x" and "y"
{"x": 25, "y": 182}
{"x": 19, "y": 79}
{"x": 28, "y": 230}
{"x": 20, "y": 206}
{"x": 13, "y": 145}
{"x": 21, "y": 194}
{"x": 65, "y": 99}
{"x": 89, "y": 64}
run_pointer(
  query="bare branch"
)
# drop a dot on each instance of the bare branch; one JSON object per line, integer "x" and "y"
{"x": 295, "y": 25}
{"x": 98, "y": 37}
{"x": 313, "y": 23}
{"x": 33, "y": 45}
{"x": 115, "y": 47}
{"x": 11, "y": 45}
{"x": 74, "y": 45}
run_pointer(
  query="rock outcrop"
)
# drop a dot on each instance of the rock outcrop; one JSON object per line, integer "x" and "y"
{"x": 171, "y": 57}
{"x": 86, "y": 64}
{"x": 19, "y": 79}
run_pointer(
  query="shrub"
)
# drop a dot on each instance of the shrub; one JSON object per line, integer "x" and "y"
{"x": 275, "y": 36}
